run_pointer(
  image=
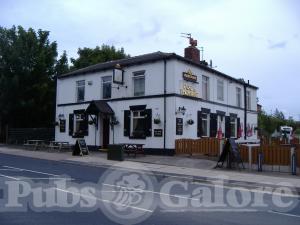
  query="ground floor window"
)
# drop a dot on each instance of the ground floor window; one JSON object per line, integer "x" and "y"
{"x": 205, "y": 125}
{"x": 78, "y": 124}
{"x": 221, "y": 125}
{"x": 138, "y": 125}
{"x": 233, "y": 127}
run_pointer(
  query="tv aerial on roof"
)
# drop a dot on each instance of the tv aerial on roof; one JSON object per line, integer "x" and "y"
{"x": 193, "y": 42}
{"x": 186, "y": 35}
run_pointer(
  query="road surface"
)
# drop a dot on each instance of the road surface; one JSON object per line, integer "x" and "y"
{"x": 53, "y": 192}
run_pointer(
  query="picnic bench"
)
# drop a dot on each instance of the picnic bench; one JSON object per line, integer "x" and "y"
{"x": 35, "y": 144}
{"x": 59, "y": 145}
{"x": 134, "y": 149}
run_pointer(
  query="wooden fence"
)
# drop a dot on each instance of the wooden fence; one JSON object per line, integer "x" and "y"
{"x": 203, "y": 146}
{"x": 272, "y": 154}
{"x": 20, "y": 135}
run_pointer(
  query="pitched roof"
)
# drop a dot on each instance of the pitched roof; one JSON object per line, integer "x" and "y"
{"x": 155, "y": 56}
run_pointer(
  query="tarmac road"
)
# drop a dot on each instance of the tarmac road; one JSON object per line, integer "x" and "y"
{"x": 36, "y": 191}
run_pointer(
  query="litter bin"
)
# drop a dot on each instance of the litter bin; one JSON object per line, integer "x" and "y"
{"x": 115, "y": 152}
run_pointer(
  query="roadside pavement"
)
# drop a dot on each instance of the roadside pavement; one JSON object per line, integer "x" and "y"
{"x": 190, "y": 168}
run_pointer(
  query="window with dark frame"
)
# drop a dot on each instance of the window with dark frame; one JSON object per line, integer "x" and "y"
{"x": 205, "y": 124}
{"x": 106, "y": 87}
{"x": 78, "y": 123}
{"x": 233, "y": 127}
{"x": 80, "y": 90}
{"x": 139, "y": 83}
{"x": 138, "y": 124}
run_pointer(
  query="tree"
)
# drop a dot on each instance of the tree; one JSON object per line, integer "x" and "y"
{"x": 89, "y": 56}
{"x": 27, "y": 66}
{"x": 62, "y": 65}
{"x": 268, "y": 123}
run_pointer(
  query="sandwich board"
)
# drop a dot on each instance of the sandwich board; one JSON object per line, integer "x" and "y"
{"x": 230, "y": 154}
{"x": 80, "y": 147}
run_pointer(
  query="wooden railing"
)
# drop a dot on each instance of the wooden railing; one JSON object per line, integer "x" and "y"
{"x": 203, "y": 146}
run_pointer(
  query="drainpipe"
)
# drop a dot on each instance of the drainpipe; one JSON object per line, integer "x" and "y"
{"x": 165, "y": 101}
{"x": 245, "y": 111}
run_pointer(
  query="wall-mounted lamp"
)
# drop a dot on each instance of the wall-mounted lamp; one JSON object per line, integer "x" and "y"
{"x": 181, "y": 110}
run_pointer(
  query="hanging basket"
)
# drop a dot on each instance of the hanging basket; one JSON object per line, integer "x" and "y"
{"x": 157, "y": 121}
{"x": 190, "y": 122}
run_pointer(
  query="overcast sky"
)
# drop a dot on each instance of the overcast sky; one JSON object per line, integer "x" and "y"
{"x": 258, "y": 40}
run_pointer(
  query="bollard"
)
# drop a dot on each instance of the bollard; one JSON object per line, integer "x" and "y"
{"x": 259, "y": 162}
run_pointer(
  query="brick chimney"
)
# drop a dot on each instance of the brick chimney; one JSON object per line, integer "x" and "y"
{"x": 192, "y": 52}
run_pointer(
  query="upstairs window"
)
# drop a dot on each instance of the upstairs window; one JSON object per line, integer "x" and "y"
{"x": 220, "y": 90}
{"x": 139, "y": 83}
{"x": 80, "y": 89}
{"x": 248, "y": 98}
{"x": 238, "y": 97}
{"x": 205, "y": 87}
{"x": 106, "y": 87}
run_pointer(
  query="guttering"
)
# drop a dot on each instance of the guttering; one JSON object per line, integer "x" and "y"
{"x": 245, "y": 111}
{"x": 165, "y": 101}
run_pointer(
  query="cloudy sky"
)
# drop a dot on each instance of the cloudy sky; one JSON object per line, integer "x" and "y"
{"x": 258, "y": 40}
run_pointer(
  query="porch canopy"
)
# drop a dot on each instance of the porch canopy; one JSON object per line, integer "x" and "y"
{"x": 99, "y": 106}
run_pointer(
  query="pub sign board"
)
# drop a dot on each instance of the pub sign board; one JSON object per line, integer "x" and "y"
{"x": 189, "y": 76}
{"x": 158, "y": 132}
{"x": 62, "y": 126}
{"x": 179, "y": 126}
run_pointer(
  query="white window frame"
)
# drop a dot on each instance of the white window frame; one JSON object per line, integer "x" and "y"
{"x": 136, "y": 76}
{"x": 79, "y": 84}
{"x": 205, "y": 82}
{"x": 248, "y": 98}
{"x": 235, "y": 126}
{"x": 238, "y": 97}
{"x": 105, "y": 82}
{"x": 77, "y": 119}
{"x": 207, "y": 119}
{"x": 132, "y": 117}
{"x": 220, "y": 85}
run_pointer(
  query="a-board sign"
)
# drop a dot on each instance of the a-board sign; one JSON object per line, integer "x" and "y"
{"x": 230, "y": 154}
{"x": 158, "y": 132}
{"x": 80, "y": 147}
{"x": 62, "y": 126}
{"x": 179, "y": 126}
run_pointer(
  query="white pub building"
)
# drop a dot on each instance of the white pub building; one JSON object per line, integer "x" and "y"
{"x": 153, "y": 99}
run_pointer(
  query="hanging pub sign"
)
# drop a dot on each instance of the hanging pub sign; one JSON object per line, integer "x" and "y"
{"x": 188, "y": 91}
{"x": 189, "y": 76}
{"x": 179, "y": 126}
{"x": 118, "y": 75}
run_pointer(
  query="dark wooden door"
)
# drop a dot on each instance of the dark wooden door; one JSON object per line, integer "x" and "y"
{"x": 105, "y": 133}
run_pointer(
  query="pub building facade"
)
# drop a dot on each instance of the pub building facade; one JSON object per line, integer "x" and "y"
{"x": 153, "y": 99}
